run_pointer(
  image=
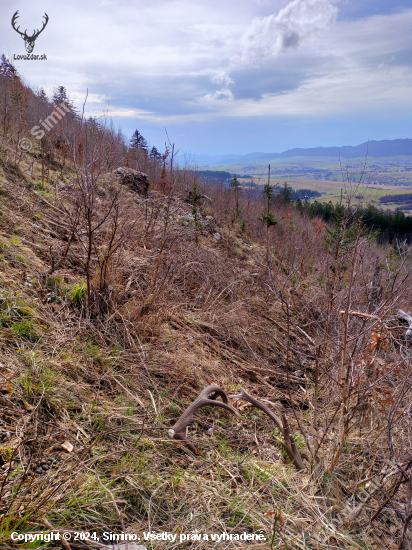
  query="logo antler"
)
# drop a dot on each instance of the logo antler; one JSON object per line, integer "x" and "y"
{"x": 28, "y": 40}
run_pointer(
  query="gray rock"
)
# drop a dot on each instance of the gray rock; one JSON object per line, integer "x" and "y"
{"x": 135, "y": 180}
{"x": 216, "y": 236}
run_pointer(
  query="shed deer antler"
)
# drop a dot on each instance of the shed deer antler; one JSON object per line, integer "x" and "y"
{"x": 288, "y": 444}
{"x": 178, "y": 431}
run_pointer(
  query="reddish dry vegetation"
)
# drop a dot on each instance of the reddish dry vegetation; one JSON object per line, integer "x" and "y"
{"x": 117, "y": 310}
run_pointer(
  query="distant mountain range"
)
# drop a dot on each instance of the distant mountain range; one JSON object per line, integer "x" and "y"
{"x": 384, "y": 148}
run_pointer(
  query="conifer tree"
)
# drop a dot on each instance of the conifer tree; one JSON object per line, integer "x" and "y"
{"x": 155, "y": 155}
{"x": 60, "y": 97}
{"x": 137, "y": 141}
{"x": 194, "y": 199}
{"x": 267, "y": 217}
{"x": 286, "y": 194}
{"x": 41, "y": 94}
{"x": 236, "y": 186}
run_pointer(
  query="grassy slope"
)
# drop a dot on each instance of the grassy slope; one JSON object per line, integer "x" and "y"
{"x": 113, "y": 387}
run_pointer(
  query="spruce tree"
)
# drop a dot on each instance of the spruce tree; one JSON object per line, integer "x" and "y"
{"x": 41, "y": 94}
{"x": 137, "y": 141}
{"x": 60, "y": 97}
{"x": 267, "y": 217}
{"x": 155, "y": 155}
{"x": 286, "y": 194}
{"x": 236, "y": 186}
{"x": 194, "y": 199}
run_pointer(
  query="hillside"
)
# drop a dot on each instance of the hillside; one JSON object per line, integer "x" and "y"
{"x": 119, "y": 307}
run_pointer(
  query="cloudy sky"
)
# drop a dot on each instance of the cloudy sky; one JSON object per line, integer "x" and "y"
{"x": 227, "y": 76}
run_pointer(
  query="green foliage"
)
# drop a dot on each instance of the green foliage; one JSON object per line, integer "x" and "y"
{"x": 286, "y": 194}
{"x": 268, "y": 192}
{"x": 387, "y": 225}
{"x": 60, "y": 96}
{"x": 238, "y": 517}
{"x": 18, "y": 317}
{"x": 95, "y": 353}
{"x": 77, "y": 292}
{"x": 236, "y": 187}
{"x": 155, "y": 155}
{"x": 6, "y": 452}
{"x": 268, "y": 219}
{"x": 42, "y": 380}
{"x": 194, "y": 199}
{"x": 25, "y": 329}
{"x": 235, "y": 184}
{"x": 340, "y": 238}
{"x": 137, "y": 141}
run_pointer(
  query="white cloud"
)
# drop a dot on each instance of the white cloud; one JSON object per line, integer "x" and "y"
{"x": 299, "y": 22}
{"x": 221, "y": 77}
{"x": 224, "y": 94}
{"x": 179, "y": 61}
{"x": 130, "y": 113}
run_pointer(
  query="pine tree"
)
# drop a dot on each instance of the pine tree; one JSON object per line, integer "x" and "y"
{"x": 138, "y": 141}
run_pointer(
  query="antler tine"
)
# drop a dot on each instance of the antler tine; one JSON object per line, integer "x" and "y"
{"x": 35, "y": 35}
{"x": 179, "y": 429}
{"x": 13, "y": 23}
{"x": 289, "y": 444}
{"x": 247, "y": 397}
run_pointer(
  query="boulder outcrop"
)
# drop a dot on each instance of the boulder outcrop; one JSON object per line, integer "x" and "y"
{"x": 135, "y": 180}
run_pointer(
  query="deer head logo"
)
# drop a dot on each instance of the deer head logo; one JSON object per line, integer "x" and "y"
{"x": 28, "y": 40}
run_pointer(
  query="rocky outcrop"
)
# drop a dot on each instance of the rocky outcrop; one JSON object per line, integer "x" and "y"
{"x": 135, "y": 180}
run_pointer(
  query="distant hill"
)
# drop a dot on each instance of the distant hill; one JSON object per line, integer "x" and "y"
{"x": 384, "y": 148}
{"x": 224, "y": 160}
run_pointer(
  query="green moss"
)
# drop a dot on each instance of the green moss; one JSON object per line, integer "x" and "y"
{"x": 6, "y": 452}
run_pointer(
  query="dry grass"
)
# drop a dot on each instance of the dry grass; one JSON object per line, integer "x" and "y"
{"x": 113, "y": 383}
